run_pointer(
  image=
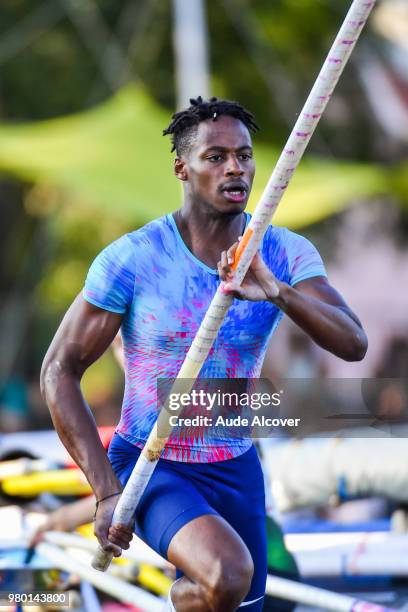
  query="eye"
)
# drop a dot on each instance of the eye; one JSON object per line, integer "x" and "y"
{"x": 214, "y": 158}
{"x": 245, "y": 156}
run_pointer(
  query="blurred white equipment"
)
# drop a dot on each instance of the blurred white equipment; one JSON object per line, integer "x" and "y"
{"x": 315, "y": 472}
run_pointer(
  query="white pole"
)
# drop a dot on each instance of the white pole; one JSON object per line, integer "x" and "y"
{"x": 89, "y": 597}
{"x": 190, "y": 42}
{"x": 202, "y": 343}
{"x": 138, "y": 551}
{"x": 318, "y": 598}
{"x": 105, "y": 582}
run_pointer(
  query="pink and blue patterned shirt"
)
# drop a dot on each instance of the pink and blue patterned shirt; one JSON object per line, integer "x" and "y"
{"x": 163, "y": 292}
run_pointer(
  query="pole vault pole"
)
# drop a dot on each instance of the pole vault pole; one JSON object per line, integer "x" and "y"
{"x": 274, "y": 190}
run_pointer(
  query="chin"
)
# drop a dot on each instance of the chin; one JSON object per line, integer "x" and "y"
{"x": 230, "y": 208}
{"x": 221, "y": 207}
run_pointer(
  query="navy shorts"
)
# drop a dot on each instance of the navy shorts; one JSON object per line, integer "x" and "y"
{"x": 179, "y": 492}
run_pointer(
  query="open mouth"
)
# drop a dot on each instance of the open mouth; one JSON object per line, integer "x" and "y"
{"x": 235, "y": 193}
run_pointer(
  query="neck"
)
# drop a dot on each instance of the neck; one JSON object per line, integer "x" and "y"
{"x": 206, "y": 232}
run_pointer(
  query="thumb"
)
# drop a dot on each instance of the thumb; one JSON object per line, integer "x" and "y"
{"x": 233, "y": 289}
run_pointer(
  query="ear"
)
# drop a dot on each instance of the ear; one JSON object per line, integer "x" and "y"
{"x": 180, "y": 169}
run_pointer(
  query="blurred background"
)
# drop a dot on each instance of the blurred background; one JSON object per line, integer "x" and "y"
{"x": 87, "y": 86}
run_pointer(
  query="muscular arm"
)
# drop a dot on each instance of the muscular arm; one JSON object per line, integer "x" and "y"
{"x": 313, "y": 304}
{"x": 83, "y": 336}
{"x": 316, "y": 307}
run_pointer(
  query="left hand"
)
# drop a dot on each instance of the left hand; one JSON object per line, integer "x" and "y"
{"x": 259, "y": 283}
{"x": 111, "y": 538}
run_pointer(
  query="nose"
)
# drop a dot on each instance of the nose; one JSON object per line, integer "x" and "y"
{"x": 233, "y": 167}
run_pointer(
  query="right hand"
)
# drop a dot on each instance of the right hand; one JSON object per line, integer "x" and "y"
{"x": 111, "y": 538}
{"x": 259, "y": 283}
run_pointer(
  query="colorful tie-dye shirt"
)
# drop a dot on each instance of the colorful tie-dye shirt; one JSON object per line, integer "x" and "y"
{"x": 163, "y": 292}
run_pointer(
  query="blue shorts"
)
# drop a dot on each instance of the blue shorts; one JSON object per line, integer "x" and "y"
{"x": 179, "y": 492}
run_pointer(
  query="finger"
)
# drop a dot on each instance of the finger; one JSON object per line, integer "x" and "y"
{"x": 124, "y": 528}
{"x": 231, "y": 253}
{"x": 225, "y": 276}
{"x": 109, "y": 546}
{"x": 224, "y": 262}
{"x": 101, "y": 532}
{"x": 220, "y": 271}
{"x": 120, "y": 538}
{"x": 224, "y": 270}
{"x": 122, "y": 543}
{"x": 113, "y": 548}
{"x": 235, "y": 290}
{"x": 120, "y": 533}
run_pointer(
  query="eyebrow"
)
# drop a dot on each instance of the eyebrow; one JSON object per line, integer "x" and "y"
{"x": 226, "y": 149}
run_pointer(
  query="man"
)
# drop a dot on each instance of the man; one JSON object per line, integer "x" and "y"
{"x": 204, "y": 506}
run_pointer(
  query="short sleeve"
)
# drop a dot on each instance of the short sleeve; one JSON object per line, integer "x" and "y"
{"x": 304, "y": 259}
{"x": 111, "y": 277}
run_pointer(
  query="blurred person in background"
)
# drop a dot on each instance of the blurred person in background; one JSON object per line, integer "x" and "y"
{"x": 14, "y": 406}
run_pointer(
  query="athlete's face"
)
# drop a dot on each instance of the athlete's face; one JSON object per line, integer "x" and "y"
{"x": 219, "y": 168}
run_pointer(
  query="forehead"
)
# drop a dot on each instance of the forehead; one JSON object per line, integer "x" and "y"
{"x": 225, "y": 131}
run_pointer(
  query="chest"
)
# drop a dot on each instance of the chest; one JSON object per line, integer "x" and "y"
{"x": 173, "y": 295}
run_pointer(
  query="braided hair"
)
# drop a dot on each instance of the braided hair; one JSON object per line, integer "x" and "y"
{"x": 184, "y": 124}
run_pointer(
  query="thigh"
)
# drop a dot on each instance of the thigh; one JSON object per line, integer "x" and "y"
{"x": 242, "y": 505}
{"x": 169, "y": 503}
{"x": 205, "y": 544}
{"x": 252, "y": 530}
{"x": 235, "y": 490}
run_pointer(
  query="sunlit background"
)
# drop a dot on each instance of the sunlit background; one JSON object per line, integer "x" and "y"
{"x": 86, "y": 88}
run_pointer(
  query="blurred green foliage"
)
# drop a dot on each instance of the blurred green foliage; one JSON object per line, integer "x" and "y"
{"x": 114, "y": 160}
{"x": 266, "y": 54}
{"x": 89, "y": 162}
